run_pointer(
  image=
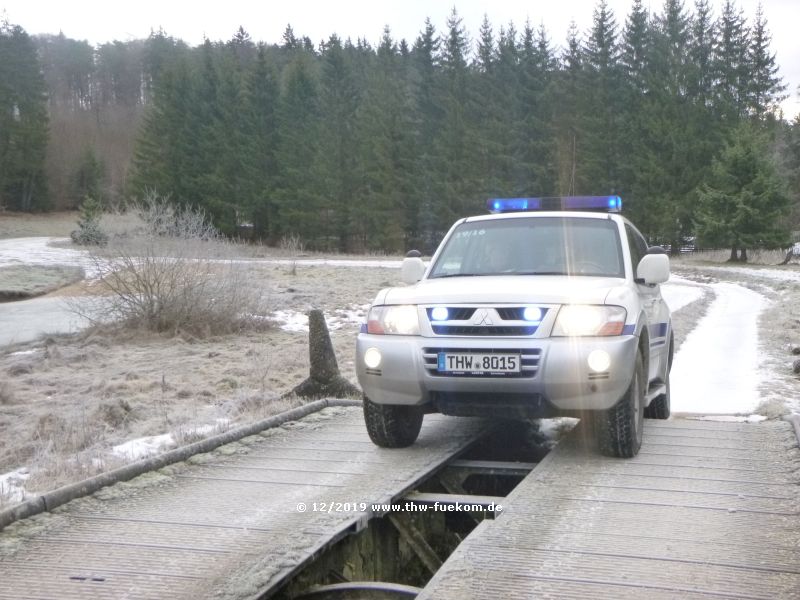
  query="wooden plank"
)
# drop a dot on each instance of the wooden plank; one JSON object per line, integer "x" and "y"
{"x": 230, "y": 524}
{"x": 699, "y": 520}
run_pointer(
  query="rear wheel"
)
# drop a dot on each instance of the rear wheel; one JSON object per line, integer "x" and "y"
{"x": 391, "y": 425}
{"x": 659, "y": 408}
{"x": 619, "y": 430}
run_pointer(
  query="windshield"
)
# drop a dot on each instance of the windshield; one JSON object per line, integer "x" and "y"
{"x": 532, "y": 246}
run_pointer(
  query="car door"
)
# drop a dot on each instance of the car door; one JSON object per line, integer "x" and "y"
{"x": 653, "y": 304}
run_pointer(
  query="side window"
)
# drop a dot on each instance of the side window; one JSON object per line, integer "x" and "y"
{"x": 636, "y": 244}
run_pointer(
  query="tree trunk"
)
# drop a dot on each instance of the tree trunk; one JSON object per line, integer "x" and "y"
{"x": 734, "y": 257}
{"x": 743, "y": 255}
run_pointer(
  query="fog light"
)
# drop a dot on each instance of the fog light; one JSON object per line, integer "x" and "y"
{"x": 532, "y": 313}
{"x": 599, "y": 361}
{"x": 372, "y": 358}
{"x": 440, "y": 313}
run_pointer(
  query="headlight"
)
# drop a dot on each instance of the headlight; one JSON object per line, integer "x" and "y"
{"x": 584, "y": 319}
{"x": 397, "y": 320}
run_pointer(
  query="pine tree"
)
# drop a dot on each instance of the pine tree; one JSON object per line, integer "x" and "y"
{"x": 568, "y": 115}
{"x": 23, "y": 122}
{"x": 89, "y": 179}
{"x": 337, "y": 149}
{"x": 635, "y": 57}
{"x": 744, "y": 203}
{"x": 259, "y": 162}
{"x": 487, "y": 109}
{"x": 455, "y": 161}
{"x": 669, "y": 164}
{"x": 388, "y": 207}
{"x": 731, "y": 65}
{"x": 765, "y": 88}
{"x": 296, "y": 197}
{"x": 425, "y": 82}
{"x": 602, "y": 110}
{"x": 162, "y": 160}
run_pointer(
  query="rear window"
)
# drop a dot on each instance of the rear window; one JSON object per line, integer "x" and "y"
{"x": 532, "y": 246}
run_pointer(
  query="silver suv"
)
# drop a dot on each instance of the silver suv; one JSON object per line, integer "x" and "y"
{"x": 547, "y": 306}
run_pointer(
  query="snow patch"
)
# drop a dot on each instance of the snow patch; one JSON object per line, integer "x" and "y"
{"x": 147, "y": 446}
{"x": 554, "y": 429}
{"x": 680, "y": 292}
{"x": 341, "y": 318}
{"x": 716, "y": 370}
{"x": 144, "y": 447}
{"x": 24, "y": 352}
{"x": 40, "y": 251}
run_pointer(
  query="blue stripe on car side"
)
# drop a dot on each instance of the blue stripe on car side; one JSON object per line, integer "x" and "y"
{"x": 658, "y": 330}
{"x": 629, "y": 329}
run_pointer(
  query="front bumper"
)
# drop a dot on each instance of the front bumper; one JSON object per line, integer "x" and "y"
{"x": 557, "y": 370}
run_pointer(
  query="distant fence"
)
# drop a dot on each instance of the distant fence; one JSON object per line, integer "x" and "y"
{"x": 754, "y": 256}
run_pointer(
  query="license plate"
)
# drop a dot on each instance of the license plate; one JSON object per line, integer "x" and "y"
{"x": 478, "y": 363}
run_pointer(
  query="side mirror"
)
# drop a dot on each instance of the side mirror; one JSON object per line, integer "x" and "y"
{"x": 657, "y": 250}
{"x": 652, "y": 269}
{"x": 412, "y": 270}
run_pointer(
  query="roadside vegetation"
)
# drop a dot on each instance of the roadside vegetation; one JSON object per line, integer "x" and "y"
{"x": 172, "y": 272}
{"x": 352, "y": 145}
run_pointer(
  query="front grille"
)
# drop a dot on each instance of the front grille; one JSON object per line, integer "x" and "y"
{"x": 483, "y": 320}
{"x": 483, "y": 330}
{"x": 529, "y": 361}
{"x": 456, "y": 313}
{"x": 511, "y": 314}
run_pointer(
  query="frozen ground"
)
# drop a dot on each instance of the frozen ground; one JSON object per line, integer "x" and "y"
{"x": 119, "y": 398}
{"x": 717, "y": 369}
{"x": 41, "y": 251}
{"x": 680, "y": 291}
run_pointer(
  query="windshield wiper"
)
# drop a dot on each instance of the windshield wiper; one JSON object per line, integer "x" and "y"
{"x": 459, "y": 275}
{"x": 537, "y": 273}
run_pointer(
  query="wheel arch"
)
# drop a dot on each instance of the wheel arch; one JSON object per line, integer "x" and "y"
{"x": 643, "y": 345}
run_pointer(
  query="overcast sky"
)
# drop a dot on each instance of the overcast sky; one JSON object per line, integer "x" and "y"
{"x": 105, "y": 20}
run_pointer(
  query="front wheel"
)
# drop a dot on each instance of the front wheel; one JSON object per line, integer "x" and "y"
{"x": 619, "y": 429}
{"x": 391, "y": 425}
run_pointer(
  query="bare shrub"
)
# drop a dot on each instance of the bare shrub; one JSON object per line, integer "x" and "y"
{"x": 176, "y": 274}
{"x": 292, "y": 244}
{"x": 115, "y": 414}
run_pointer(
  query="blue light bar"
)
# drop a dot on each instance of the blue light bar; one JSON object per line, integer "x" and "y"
{"x": 498, "y": 205}
{"x": 600, "y": 203}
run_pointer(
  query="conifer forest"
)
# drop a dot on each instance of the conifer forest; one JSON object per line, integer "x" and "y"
{"x": 354, "y": 146}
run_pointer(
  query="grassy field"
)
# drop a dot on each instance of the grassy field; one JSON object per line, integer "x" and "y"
{"x": 66, "y": 401}
{"x": 57, "y": 224}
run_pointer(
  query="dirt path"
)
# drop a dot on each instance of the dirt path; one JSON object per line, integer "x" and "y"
{"x": 717, "y": 369}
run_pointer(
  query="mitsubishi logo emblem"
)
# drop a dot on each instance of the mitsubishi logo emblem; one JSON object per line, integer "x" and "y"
{"x": 482, "y": 317}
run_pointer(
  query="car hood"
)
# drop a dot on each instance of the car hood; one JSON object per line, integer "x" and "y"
{"x": 539, "y": 289}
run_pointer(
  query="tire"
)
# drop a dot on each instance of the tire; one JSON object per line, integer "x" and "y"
{"x": 391, "y": 425}
{"x": 619, "y": 430}
{"x": 660, "y": 407}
